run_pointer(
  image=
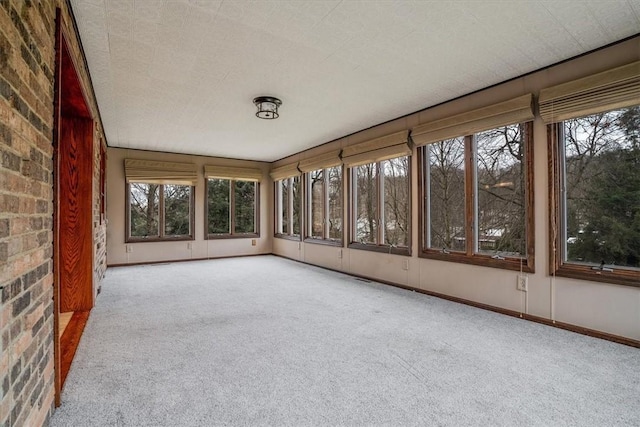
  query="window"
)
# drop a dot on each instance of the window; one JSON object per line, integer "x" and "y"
{"x": 381, "y": 205}
{"x": 159, "y": 212}
{"x": 478, "y": 198}
{"x": 598, "y": 165}
{"x": 232, "y": 208}
{"x": 594, "y": 178}
{"x": 324, "y": 204}
{"x": 288, "y": 205}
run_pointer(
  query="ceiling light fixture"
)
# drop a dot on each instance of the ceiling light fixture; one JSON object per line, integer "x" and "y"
{"x": 267, "y": 107}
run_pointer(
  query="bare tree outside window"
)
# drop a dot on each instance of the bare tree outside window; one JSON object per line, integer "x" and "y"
{"x": 446, "y": 195}
{"x": 500, "y": 191}
{"x": 478, "y": 192}
{"x": 145, "y": 209}
{"x": 316, "y": 208}
{"x": 397, "y": 212}
{"x": 288, "y": 199}
{"x": 382, "y": 203}
{"x": 324, "y": 203}
{"x": 284, "y": 206}
{"x": 177, "y": 210}
{"x": 159, "y": 211}
{"x": 366, "y": 203}
{"x": 297, "y": 200}
{"x": 334, "y": 180}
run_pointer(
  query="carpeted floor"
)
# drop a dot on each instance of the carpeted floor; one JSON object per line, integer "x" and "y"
{"x": 267, "y": 341}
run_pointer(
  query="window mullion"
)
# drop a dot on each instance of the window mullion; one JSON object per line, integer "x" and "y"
{"x": 353, "y": 177}
{"x": 325, "y": 204}
{"x": 279, "y": 227}
{"x": 161, "y": 213}
{"x": 380, "y": 191}
{"x": 232, "y": 207}
{"x": 470, "y": 199}
{"x": 309, "y": 204}
{"x": 426, "y": 202}
{"x": 290, "y": 203}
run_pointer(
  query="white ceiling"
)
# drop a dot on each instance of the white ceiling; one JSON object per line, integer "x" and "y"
{"x": 180, "y": 76}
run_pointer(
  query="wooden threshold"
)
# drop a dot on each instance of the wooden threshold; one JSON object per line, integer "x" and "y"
{"x": 65, "y": 318}
{"x": 69, "y": 342}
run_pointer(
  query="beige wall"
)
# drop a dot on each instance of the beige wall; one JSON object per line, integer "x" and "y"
{"x": 183, "y": 250}
{"x": 604, "y": 307}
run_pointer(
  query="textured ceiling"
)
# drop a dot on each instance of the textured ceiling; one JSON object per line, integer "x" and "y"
{"x": 180, "y": 76}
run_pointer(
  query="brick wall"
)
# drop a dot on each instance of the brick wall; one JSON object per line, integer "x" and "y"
{"x": 27, "y": 31}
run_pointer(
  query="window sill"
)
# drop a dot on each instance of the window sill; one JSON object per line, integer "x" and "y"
{"x": 295, "y": 237}
{"x": 514, "y": 264}
{"x": 385, "y": 249}
{"x": 231, "y": 236}
{"x": 325, "y": 242}
{"x": 619, "y": 276}
{"x": 159, "y": 239}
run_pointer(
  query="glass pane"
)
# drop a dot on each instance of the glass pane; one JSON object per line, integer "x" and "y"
{"x": 177, "y": 206}
{"x": 500, "y": 184}
{"x": 218, "y": 206}
{"x": 284, "y": 207}
{"x": 245, "y": 207}
{"x": 335, "y": 202}
{"x": 145, "y": 201}
{"x": 366, "y": 203}
{"x": 295, "y": 183}
{"x": 397, "y": 214}
{"x": 446, "y": 195}
{"x": 602, "y": 178}
{"x": 316, "y": 208}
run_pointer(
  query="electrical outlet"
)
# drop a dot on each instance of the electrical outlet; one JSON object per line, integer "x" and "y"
{"x": 253, "y": 242}
{"x": 189, "y": 245}
{"x": 129, "y": 249}
{"x": 405, "y": 264}
{"x": 340, "y": 254}
{"x": 523, "y": 283}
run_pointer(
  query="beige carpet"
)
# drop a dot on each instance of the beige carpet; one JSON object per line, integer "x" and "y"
{"x": 267, "y": 341}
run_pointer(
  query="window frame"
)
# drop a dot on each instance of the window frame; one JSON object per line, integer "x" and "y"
{"x": 325, "y": 239}
{"x": 161, "y": 217}
{"x": 557, "y": 266}
{"x": 525, "y": 263}
{"x": 103, "y": 183}
{"x": 351, "y": 194}
{"x": 278, "y": 204}
{"x": 232, "y": 207}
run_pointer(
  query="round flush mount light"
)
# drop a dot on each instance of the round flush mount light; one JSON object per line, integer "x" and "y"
{"x": 267, "y": 107}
